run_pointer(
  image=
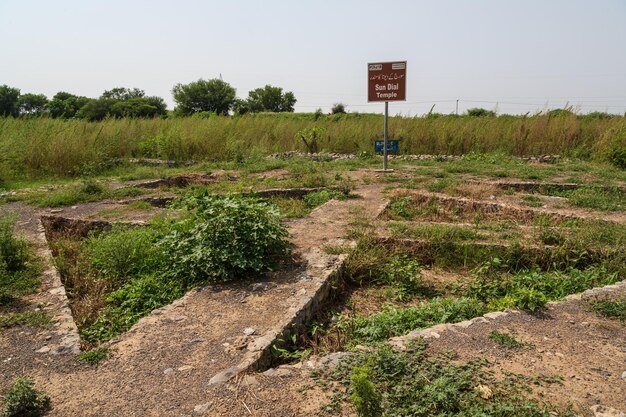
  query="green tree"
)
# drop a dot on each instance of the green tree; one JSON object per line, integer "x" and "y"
{"x": 139, "y": 107}
{"x": 204, "y": 95}
{"x": 65, "y": 105}
{"x": 9, "y": 97}
{"x": 270, "y": 98}
{"x": 338, "y": 108}
{"x": 32, "y": 104}
{"x": 96, "y": 109}
{"x": 478, "y": 112}
{"x": 122, "y": 93}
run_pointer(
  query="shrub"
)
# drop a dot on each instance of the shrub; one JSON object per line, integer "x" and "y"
{"x": 338, "y": 108}
{"x": 225, "y": 238}
{"x": 22, "y": 400}
{"x": 18, "y": 275}
{"x": 125, "y": 252}
{"x": 366, "y": 399}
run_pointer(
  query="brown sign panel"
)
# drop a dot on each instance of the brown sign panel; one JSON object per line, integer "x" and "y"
{"x": 386, "y": 81}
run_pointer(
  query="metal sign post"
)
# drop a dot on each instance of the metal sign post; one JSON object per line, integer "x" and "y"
{"x": 385, "y": 136}
{"x": 386, "y": 81}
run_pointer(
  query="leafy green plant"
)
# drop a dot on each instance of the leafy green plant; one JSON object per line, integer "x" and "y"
{"x": 611, "y": 308}
{"x": 366, "y": 399}
{"x": 23, "y": 400}
{"x": 95, "y": 356}
{"x": 125, "y": 252}
{"x": 225, "y": 238}
{"x": 415, "y": 383}
{"x": 395, "y": 322}
{"x": 18, "y": 271}
{"x": 28, "y": 318}
{"x": 505, "y": 340}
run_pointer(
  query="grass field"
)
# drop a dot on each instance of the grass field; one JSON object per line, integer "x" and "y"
{"x": 36, "y": 148}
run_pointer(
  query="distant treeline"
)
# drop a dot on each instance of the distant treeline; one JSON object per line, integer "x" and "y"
{"x": 33, "y": 147}
{"x": 202, "y": 96}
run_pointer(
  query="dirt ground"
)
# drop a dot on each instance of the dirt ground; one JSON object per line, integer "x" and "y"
{"x": 166, "y": 364}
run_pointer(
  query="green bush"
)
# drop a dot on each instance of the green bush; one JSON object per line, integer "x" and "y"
{"x": 224, "y": 239}
{"x": 132, "y": 301}
{"x": 366, "y": 399}
{"x": 125, "y": 252}
{"x": 18, "y": 274}
{"x": 395, "y": 322}
{"x": 22, "y": 400}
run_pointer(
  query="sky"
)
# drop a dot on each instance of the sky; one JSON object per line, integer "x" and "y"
{"x": 510, "y": 56}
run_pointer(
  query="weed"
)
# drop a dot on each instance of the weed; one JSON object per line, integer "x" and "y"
{"x": 612, "y": 199}
{"x": 23, "y": 400}
{"x": 505, "y": 340}
{"x": 434, "y": 232}
{"x": 366, "y": 399}
{"x": 95, "y": 356}
{"x": 28, "y": 318}
{"x": 125, "y": 252}
{"x": 395, "y": 322}
{"x": 531, "y": 289}
{"x": 611, "y": 308}
{"x": 532, "y": 201}
{"x": 18, "y": 269}
{"x": 415, "y": 383}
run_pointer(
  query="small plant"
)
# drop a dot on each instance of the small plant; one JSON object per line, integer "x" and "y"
{"x": 23, "y": 400}
{"x": 532, "y": 201}
{"x": 367, "y": 400}
{"x": 94, "y": 356}
{"x": 28, "y": 318}
{"x": 18, "y": 273}
{"x": 611, "y": 308}
{"x": 505, "y": 340}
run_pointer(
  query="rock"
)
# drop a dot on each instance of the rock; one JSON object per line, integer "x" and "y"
{"x": 176, "y": 318}
{"x": 602, "y": 411}
{"x": 223, "y": 376}
{"x": 185, "y": 368}
{"x": 624, "y": 375}
{"x": 277, "y": 372}
{"x": 260, "y": 286}
{"x": 202, "y": 408}
{"x": 250, "y": 380}
{"x": 168, "y": 371}
{"x": 249, "y": 331}
{"x": 197, "y": 340}
{"x": 44, "y": 349}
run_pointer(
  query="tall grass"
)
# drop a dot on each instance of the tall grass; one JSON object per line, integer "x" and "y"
{"x": 40, "y": 147}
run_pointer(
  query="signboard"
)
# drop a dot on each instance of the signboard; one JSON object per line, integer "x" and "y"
{"x": 393, "y": 146}
{"x": 386, "y": 81}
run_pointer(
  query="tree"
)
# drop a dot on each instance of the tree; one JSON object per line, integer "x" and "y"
{"x": 9, "y": 97}
{"x": 271, "y": 99}
{"x": 139, "y": 107}
{"x": 338, "y": 108}
{"x": 32, "y": 104}
{"x": 478, "y": 112}
{"x": 96, "y": 109}
{"x": 204, "y": 95}
{"x": 66, "y": 105}
{"x": 122, "y": 93}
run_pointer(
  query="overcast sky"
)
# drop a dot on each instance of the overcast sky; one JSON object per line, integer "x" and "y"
{"x": 520, "y": 56}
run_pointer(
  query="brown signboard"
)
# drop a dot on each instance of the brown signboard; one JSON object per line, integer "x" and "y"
{"x": 386, "y": 81}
